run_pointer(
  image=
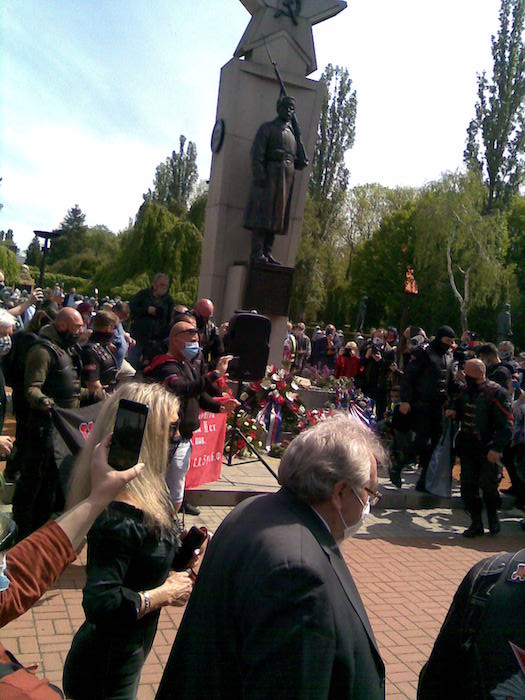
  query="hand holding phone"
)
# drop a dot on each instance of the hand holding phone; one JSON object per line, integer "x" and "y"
{"x": 127, "y": 434}
{"x": 192, "y": 541}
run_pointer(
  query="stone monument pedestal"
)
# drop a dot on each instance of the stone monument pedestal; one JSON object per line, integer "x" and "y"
{"x": 280, "y": 31}
{"x": 247, "y": 97}
{"x": 265, "y": 289}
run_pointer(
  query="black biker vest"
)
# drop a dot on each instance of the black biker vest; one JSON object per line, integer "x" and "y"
{"x": 63, "y": 380}
{"x": 107, "y": 364}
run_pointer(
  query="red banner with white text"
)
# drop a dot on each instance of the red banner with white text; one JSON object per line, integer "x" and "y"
{"x": 208, "y": 446}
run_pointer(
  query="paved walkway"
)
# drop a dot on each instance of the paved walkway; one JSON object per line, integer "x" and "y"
{"x": 407, "y": 564}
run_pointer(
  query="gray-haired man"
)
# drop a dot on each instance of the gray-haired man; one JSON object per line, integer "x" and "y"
{"x": 275, "y": 612}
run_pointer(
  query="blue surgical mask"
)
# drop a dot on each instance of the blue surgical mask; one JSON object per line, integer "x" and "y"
{"x": 191, "y": 350}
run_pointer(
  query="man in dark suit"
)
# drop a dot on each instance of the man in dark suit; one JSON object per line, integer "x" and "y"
{"x": 275, "y": 612}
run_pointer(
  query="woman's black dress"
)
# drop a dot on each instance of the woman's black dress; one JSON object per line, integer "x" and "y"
{"x": 124, "y": 556}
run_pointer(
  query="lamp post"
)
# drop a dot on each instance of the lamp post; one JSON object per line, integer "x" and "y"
{"x": 47, "y": 236}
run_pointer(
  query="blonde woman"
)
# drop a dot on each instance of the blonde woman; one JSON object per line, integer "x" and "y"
{"x": 131, "y": 549}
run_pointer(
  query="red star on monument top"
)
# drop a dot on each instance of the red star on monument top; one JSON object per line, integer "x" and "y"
{"x": 294, "y": 17}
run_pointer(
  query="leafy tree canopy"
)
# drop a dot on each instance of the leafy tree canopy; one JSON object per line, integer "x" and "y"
{"x": 496, "y": 135}
{"x": 175, "y": 179}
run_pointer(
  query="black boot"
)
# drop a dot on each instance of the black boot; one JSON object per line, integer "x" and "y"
{"x": 494, "y": 524}
{"x": 257, "y": 255}
{"x": 188, "y": 508}
{"x": 394, "y": 473}
{"x": 267, "y": 250}
{"x": 476, "y": 527}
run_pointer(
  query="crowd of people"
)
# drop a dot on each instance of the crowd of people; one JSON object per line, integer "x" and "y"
{"x": 272, "y": 610}
{"x": 417, "y": 382}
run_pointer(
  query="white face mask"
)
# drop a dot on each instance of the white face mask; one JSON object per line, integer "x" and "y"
{"x": 5, "y": 345}
{"x": 351, "y": 530}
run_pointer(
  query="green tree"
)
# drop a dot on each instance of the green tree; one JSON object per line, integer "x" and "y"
{"x": 495, "y": 137}
{"x": 159, "y": 241}
{"x": 175, "y": 179}
{"x": 366, "y": 206}
{"x": 99, "y": 246}
{"x": 335, "y": 136}
{"x": 72, "y": 239}
{"x": 516, "y": 259}
{"x": 458, "y": 244}
{"x": 379, "y": 268}
{"x": 34, "y": 253}
{"x": 8, "y": 264}
{"x": 7, "y": 238}
{"x": 319, "y": 267}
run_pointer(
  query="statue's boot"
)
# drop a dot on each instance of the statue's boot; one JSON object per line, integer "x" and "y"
{"x": 267, "y": 250}
{"x": 257, "y": 255}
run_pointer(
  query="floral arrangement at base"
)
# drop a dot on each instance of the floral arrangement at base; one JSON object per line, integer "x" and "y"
{"x": 252, "y": 431}
{"x": 272, "y": 407}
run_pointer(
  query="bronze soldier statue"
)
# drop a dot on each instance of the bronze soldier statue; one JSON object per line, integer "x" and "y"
{"x": 504, "y": 324}
{"x": 276, "y": 154}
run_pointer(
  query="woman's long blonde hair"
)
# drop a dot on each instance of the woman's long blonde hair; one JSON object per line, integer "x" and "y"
{"x": 148, "y": 490}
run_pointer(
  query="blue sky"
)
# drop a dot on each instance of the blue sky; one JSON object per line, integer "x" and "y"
{"x": 96, "y": 92}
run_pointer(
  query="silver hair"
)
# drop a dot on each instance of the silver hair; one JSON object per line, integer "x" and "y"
{"x": 6, "y": 319}
{"x": 334, "y": 450}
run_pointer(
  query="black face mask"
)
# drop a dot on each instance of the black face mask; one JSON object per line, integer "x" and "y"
{"x": 68, "y": 339}
{"x": 102, "y": 338}
{"x": 472, "y": 384}
{"x": 439, "y": 347}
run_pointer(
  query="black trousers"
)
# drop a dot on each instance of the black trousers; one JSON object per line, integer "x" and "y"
{"x": 36, "y": 489}
{"x": 428, "y": 426}
{"x": 512, "y": 459}
{"x": 478, "y": 474}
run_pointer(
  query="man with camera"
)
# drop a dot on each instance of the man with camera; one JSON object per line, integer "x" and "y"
{"x": 150, "y": 318}
{"x": 376, "y": 358}
{"x": 425, "y": 387}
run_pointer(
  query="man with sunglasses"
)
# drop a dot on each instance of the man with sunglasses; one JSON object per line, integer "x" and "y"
{"x": 179, "y": 372}
{"x": 275, "y": 612}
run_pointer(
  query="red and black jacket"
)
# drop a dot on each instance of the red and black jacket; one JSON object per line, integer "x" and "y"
{"x": 194, "y": 387}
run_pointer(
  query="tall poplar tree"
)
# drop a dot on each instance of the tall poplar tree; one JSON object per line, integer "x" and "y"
{"x": 176, "y": 178}
{"x": 496, "y": 137}
{"x": 335, "y": 136}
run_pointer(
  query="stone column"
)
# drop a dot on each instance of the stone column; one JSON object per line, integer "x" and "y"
{"x": 247, "y": 97}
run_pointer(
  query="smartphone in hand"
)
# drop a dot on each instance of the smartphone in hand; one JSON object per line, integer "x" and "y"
{"x": 127, "y": 436}
{"x": 193, "y": 540}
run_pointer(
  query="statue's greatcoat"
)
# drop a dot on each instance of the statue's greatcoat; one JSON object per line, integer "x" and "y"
{"x": 273, "y": 154}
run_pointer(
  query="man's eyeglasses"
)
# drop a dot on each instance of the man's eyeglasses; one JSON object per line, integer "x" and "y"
{"x": 373, "y": 496}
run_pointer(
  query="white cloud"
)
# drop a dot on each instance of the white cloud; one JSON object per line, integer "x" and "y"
{"x": 105, "y": 176}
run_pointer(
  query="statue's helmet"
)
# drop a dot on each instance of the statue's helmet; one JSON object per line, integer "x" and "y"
{"x": 285, "y": 100}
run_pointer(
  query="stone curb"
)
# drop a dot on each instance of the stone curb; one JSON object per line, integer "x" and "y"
{"x": 401, "y": 499}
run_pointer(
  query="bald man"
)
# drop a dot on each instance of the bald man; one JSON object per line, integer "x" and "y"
{"x": 181, "y": 373}
{"x": 484, "y": 410}
{"x": 52, "y": 377}
{"x": 212, "y": 346}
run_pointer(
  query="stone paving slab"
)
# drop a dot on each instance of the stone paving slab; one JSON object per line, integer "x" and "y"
{"x": 406, "y": 564}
